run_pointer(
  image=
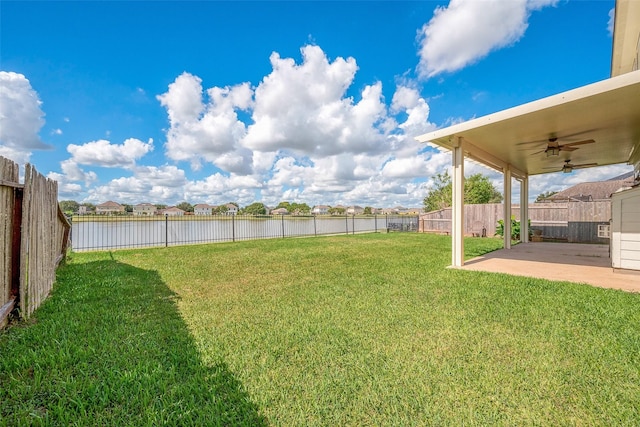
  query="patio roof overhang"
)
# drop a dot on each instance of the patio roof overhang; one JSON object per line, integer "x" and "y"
{"x": 514, "y": 141}
{"x": 607, "y": 112}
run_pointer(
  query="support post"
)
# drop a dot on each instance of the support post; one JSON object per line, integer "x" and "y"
{"x": 282, "y": 220}
{"x": 524, "y": 210}
{"x": 166, "y": 230}
{"x": 457, "y": 206}
{"x": 507, "y": 207}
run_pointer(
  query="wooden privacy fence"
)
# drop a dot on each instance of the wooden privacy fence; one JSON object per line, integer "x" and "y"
{"x": 35, "y": 234}
{"x": 573, "y": 221}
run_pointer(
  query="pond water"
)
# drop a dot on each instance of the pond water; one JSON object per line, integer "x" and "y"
{"x": 92, "y": 233}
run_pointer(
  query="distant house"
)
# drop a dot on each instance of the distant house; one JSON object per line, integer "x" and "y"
{"x": 83, "y": 210}
{"x": 144, "y": 209}
{"x": 390, "y": 211}
{"x": 414, "y": 211}
{"x": 355, "y": 210}
{"x": 231, "y": 209}
{"x": 592, "y": 191}
{"x": 203, "y": 209}
{"x": 172, "y": 211}
{"x": 108, "y": 208}
{"x": 280, "y": 211}
{"x": 339, "y": 209}
{"x": 320, "y": 210}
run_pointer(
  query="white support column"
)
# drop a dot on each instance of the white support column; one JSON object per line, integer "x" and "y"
{"x": 524, "y": 210}
{"x": 507, "y": 207}
{"x": 457, "y": 206}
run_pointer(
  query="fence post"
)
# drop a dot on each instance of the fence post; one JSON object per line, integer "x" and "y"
{"x": 315, "y": 227}
{"x": 346, "y": 223}
{"x": 166, "y": 230}
{"x": 282, "y": 217}
{"x": 233, "y": 227}
{"x": 375, "y": 219}
{"x": 353, "y": 224}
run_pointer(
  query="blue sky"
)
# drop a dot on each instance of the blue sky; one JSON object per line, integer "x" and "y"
{"x": 315, "y": 102}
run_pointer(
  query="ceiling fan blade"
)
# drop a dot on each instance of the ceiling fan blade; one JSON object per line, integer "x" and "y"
{"x": 532, "y": 142}
{"x": 584, "y": 165}
{"x": 565, "y": 148}
{"x": 537, "y": 152}
{"x": 586, "y": 141}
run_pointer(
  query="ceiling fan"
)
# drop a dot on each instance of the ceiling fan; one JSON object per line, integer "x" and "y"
{"x": 568, "y": 167}
{"x": 554, "y": 148}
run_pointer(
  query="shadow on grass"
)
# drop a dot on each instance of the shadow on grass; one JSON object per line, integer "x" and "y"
{"x": 110, "y": 348}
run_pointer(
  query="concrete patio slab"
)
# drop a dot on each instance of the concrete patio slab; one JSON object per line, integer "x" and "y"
{"x": 572, "y": 262}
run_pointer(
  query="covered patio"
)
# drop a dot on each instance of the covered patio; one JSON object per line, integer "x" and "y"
{"x": 573, "y": 262}
{"x": 593, "y": 125}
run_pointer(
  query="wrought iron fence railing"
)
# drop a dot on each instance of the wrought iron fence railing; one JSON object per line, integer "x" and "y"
{"x": 98, "y": 232}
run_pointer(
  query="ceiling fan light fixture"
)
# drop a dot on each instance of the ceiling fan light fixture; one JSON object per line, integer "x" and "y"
{"x": 553, "y": 151}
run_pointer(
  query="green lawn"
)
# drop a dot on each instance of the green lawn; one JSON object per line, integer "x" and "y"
{"x": 347, "y": 330}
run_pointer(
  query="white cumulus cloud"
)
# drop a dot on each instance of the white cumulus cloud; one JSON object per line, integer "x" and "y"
{"x": 218, "y": 189}
{"x": 468, "y": 30}
{"x": 21, "y": 117}
{"x": 103, "y": 153}
{"x": 206, "y": 131}
{"x": 300, "y": 136}
{"x": 164, "y": 184}
{"x": 303, "y": 107}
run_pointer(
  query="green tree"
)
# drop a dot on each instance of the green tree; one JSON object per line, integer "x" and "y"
{"x": 477, "y": 190}
{"x": 295, "y": 208}
{"x": 69, "y": 206}
{"x": 299, "y": 209}
{"x": 256, "y": 208}
{"x": 285, "y": 205}
{"x": 160, "y": 206}
{"x": 185, "y": 206}
{"x": 220, "y": 209}
{"x": 543, "y": 196}
{"x": 128, "y": 208}
{"x": 367, "y": 210}
{"x": 337, "y": 211}
{"x": 439, "y": 197}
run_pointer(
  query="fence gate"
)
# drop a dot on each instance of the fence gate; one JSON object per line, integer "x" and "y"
{"x": 402, "y": 223}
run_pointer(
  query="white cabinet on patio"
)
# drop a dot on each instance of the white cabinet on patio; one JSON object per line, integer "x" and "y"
{"x": 625, "y": 229}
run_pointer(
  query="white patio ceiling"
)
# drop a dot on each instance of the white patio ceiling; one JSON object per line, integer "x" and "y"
{"x": 607, "y": 112}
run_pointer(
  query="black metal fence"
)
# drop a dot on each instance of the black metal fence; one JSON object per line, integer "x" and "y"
{"x": 97, "y": 232}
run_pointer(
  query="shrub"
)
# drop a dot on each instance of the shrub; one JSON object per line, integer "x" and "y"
{"x": 515, "y": 228}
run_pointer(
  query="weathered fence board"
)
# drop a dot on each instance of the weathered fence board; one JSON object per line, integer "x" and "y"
{"x": 574, "y": 222}
{"x": 34, "y": 235}
{"x": 9, "y": 172}
{"x": 43, "y": 239}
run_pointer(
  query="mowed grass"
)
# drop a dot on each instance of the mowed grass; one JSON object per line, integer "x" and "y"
{"x": 345, "y": 330}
